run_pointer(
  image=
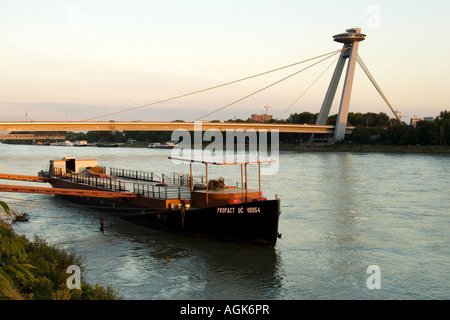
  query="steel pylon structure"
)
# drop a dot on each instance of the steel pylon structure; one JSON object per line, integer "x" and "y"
{"x": 351, "y": 40}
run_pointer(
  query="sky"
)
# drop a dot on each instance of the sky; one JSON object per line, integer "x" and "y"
{"x": 77, "y": 60}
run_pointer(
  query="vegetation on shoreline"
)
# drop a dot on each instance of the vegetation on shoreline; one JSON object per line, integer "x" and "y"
{"x": 35, "y": 270}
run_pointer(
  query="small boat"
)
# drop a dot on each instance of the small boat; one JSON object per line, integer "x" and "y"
{"x": 81, "y": 143}
{"x": 163, "y": 145}
{"x": 66, "y": 143}
{"x": 107, "y": 145}
{"x": 20, "y": 217}
{"x": 175, "y": 203}
{"x": 43, "y": 143}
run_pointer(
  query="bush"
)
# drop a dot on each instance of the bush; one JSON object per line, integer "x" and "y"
{"x": 38, "y": 271}
{"x": 361, "y": 135}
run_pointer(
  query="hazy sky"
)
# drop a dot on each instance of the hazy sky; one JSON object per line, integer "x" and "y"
{"x": 78, "y": 59}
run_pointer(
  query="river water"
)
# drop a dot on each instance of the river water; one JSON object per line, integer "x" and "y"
{"x": 341, "y": 214}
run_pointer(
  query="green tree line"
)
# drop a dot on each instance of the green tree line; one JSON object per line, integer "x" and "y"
{"x": 424, "y": 132}
{"x": 378, "y": 128}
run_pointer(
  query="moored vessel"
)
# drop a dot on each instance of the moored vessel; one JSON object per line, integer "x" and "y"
{"x": 163, "y": 145}
{"x": 107, "y": 145}
{"x": 175, "y": 203}
{"x": 66, "y": 143}
{"x": 80, "y": 143}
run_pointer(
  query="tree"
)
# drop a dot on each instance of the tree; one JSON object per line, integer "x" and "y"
{"x": 100, "y": 136}
{"x": 356, "y": 119}
{"x": 397, "y": 134}
{"x": 425, "y": 133}
{"x": 361, "y": 135}
{"x": 76, "y": 136}
{"x": 383, "y": 120}
{"x": 332, "y": 120}
{"x": 12, "y": 249}
{"x": 443, "y": 121}
{"x": 304, "y": 117}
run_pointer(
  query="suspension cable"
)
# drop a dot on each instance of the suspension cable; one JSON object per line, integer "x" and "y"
{"x": 247, "y": 96}
{"x": 304, "y": 92}
{"x": 215, "y": 87}
{"x": 363, "y": 66}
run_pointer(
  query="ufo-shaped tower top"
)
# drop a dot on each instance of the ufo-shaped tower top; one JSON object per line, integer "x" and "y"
{"x": 352, "y": 35}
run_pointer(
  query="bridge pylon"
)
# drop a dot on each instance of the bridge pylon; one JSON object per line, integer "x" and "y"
{"x": 351, "y": 40}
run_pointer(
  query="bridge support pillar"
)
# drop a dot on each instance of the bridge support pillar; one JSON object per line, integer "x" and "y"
{"x": 351, "y": 41}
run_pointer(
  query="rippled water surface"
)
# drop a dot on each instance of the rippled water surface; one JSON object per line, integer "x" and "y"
{"x": 341, "y": 213}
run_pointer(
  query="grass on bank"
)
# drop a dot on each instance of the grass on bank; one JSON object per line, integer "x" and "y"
{"x": 35, "y": 270}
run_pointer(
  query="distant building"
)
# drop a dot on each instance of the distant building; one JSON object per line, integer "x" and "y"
{"x": 414, "y": 120}
{"x": 261, "y": 117}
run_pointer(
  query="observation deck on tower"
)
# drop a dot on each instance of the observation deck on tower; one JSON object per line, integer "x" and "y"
{"x": 351, "y": 36}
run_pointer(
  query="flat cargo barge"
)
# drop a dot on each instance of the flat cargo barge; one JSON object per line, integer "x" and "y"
{"x": 174, "y": 203}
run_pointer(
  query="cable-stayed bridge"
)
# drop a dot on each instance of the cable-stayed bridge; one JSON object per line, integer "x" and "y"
{"x": 349, "y": 53}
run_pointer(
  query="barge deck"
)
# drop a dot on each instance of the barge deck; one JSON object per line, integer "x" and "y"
{"x": 175, "y": 203}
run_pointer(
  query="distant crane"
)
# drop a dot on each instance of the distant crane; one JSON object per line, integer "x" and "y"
{"x": 267, "y": 113}
{"x": 400, "y": 116}
{"x": 398, "y": 113}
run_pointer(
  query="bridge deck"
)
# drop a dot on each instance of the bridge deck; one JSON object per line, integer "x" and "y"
{"x": 159, "y": 126}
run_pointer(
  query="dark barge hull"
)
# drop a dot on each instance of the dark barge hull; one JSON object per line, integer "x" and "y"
{"x": 252, "y": 222}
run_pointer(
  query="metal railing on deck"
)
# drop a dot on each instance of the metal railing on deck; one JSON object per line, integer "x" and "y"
{"x": 134, "y": 174}
{"x": 162, "y": 192}
{"x": 176, "y": 178}
{"x": 94, "y": 181}
{"x": 179, "y": 179}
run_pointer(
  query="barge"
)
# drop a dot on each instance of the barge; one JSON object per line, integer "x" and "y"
{"x": 175, "y": 203}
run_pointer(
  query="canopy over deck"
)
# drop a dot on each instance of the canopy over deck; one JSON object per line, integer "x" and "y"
{"x": 193, "y": 160}
{"x": 212, "y": 162}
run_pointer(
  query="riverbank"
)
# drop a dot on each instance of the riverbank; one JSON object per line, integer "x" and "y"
{"x": 368, "y": 148}
{"x": 36, "y": 270}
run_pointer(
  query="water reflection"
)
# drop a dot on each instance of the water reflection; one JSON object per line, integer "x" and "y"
{"x": 168, "y": 266}
{"x": 342, "y": 234}
{"x": 340, "y": 214}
